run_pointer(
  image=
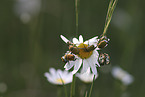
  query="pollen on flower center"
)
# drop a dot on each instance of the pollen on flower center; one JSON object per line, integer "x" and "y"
{"x": 60, "y": 81}
{"x": 82, "y": 51}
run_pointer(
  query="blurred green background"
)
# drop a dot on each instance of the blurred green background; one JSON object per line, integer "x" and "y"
{"x": 30, "y": 44}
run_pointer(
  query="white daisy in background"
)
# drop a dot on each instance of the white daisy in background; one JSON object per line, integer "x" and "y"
{"x": 58, "y": 77}
{"x": 86, "y": 77}
{"x": 89, "y": 59}
{"x": 122, "y": 75}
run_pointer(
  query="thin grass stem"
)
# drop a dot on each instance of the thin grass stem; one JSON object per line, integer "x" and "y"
{"x": 110, "y": 11}
{"x": 91, "y": 87}
{"x": 77, "y": 15}
{"x": 86, "y": 94}
{"x": 65, "y": 90}
{"x": 72, "y": 92}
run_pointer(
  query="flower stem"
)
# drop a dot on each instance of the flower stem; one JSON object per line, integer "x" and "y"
{"x": 111, "y": 8}
{"x": 72, "y": 92}
{"x": 65, "y": 91}
{"x": 91, "y": 87}
{"x": 63, "y": 86}
{"x": 86, "y": 94}
{"x": 77, "y": 15}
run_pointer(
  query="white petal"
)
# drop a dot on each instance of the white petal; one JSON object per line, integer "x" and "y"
{"x": 95, "y": 57}
{"x": 93, "y": 66}
{"x": 65, "y": 72}
{"x": 50, "y": 78}
{"x": 128, "y": 79}
{"x": 59, "y": 73}
{"x": 96, "y": 53}
{"x": 47, "y": 74}
{"x": 98, "y": 64}
{"x": 86, "y": 42}
{"x": 54, "y": 75}
{"x": 75, "y": 41}
{"x": 92, "y": 41}
{"x": 94, "y": 38}
{"x": 64, "y": 39}
{"x": 88, "y": 70}
{"x": 52, "y": 71}
{"x": 122, "y": 75}
{"x": 68, "y": 77}
{"x": 86, "y": 77}
{"x": 77, "y": 66}
{"x": 94, "y": 70}
{"x": 69, "y": 65}
{"x": 85, "y": 66}
{"x": 81, "y": 39}
{"x": 97, "y": 48}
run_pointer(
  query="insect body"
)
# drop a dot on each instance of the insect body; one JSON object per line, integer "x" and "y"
{"x": 68, "y": 57}
{"x": 104, "y": 59}
{"x": 103, "y": 42}
{"x": 69, "y": 43}
{"x": 90, "y": 48}
{"x": 74, "y": 49}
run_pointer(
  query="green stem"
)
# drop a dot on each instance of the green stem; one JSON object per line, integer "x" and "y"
{"x": 63, "y": 86}
{"x": 77, "y": 15}
{"x": 65, "y": 91}
{"x": 110, "y": 11}
{"x": 72, "y": 92}
{"x": 86, "y": 94}
{"x": 91, "y": 87}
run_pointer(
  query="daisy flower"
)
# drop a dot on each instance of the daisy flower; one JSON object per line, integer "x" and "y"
{"x": 122, "y": 75}
{"x": 86, "y": 77}
{"x": 87, "y": 58}
{"x": 58, "y": 77}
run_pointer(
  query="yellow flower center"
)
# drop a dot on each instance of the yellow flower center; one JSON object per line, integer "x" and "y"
{"x": 60, "y": 81}
{"x": 84, "y": 54}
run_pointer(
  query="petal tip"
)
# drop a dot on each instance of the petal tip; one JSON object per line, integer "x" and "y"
{"x": 73, "y": 72}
